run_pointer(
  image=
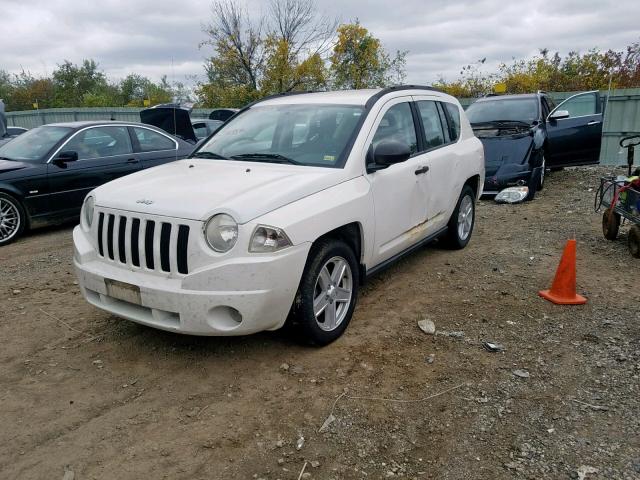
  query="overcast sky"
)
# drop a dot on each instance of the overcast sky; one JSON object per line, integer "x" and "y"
{"x": 143, "y": 36}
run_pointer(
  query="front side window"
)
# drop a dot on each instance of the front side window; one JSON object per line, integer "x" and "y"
{"x": 100, "y": 142}
{"x": 397, "y": 125}
{"x": 453, "y": 119}
{"x": 33, "y": 145}
{"x": 581, "y": 105}
{"x": 152, "y": 141}
{"x": 433, "y": 134}
{"x": 312, "y": 135}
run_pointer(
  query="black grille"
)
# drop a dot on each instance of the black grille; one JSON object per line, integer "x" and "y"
{"x": 160, "y": 234}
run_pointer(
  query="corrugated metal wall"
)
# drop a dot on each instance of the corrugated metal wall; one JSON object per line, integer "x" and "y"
{"x": 622, "y": 118}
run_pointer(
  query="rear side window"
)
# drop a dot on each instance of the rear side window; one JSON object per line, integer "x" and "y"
{"x": 397, "y": 125}
{"x": 433, "y": 134}
{"x": 453, "y": 116}
{"x": 151, "y": 141}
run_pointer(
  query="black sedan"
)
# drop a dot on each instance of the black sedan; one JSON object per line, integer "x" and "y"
{"x": 523, "y": 135}
{"x": 46, "y": 172}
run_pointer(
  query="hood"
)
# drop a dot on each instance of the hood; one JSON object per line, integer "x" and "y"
{"x": 502, "y": 151}
{"x": 173, "y": 120}
{"x": 7, "y": 166}
{"x": 196, "y": 189}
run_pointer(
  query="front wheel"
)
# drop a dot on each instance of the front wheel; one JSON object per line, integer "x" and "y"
{"x": 610, "y": 224}
{"x": 462, "y": 220}
{"x": 12, "y": 219}
{"x": 327, "y": 294}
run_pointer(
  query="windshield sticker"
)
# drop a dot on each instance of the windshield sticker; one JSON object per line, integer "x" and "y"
{"x": 329, "y": 158}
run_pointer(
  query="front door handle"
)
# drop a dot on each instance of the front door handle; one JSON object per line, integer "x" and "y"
{"x": 133, "y": 160}
{"x": 422, "y": 170}
{"x": 593, "y": 122}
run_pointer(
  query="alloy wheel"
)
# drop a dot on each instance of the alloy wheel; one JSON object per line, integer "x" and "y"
{"x": 333, "y": 293}
{"x": 9, "y": 220}
{"x": 465, "y": 217}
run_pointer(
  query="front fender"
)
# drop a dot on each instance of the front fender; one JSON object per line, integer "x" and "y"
{"x": 311, "y": 217}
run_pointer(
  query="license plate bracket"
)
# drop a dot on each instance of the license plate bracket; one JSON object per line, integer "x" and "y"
{"x": 123, "y": 291}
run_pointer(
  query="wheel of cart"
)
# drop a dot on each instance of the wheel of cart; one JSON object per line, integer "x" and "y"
{"x": 634, "y": 241}
{"x": 621, "y": 198}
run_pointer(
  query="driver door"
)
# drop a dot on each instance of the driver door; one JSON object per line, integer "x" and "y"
{"x": 399, "y": 196}
{"x": 575, "y": 140}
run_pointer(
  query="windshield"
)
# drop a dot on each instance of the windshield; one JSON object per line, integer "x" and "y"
{"x": 520, "y": 110}
{"x": 34, "y": 144}
{"x": 313, "y": 135}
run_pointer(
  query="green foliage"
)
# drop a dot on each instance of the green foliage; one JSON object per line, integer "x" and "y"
{"x": 574, "y": 72}
{"x": 84, "y": 85}
{"x": 359, "y": 61}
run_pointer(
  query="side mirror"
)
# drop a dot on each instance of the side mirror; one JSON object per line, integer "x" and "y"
{"x": 66, "y": 157}
{"x": 559, "y": 115}
{"x": 388, "y": 152}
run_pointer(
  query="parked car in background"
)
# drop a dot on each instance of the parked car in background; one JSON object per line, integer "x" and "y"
{"x": 523, "y": 135}
{"x": 6, "y": 132}
{"x": 203, "y": 127}
{"x": 282, "y": 213}
{"x": 46, "y": 172}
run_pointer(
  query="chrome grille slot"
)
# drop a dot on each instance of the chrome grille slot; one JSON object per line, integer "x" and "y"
{"x": 147, "y": 244}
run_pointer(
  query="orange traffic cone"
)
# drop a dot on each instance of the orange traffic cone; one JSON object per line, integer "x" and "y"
{"x": 563, "y": 289}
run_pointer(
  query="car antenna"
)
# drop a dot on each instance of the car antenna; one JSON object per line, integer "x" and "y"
{"x": 175, "y": 127}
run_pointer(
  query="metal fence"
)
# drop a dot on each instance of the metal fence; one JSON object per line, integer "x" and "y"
{"x": 622, "y": 118}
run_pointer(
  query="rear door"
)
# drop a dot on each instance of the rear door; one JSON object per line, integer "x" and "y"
{"x": 153, "y": 147}
{"x": 575, "y": 140}
{"x": 440, "y": 158}
{"x": 104, "y": 154}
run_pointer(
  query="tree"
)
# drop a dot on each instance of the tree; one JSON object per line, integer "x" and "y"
{"x": 359, "y": 61}
{"x": 73, "y": 82}
{"x": 281, "y": 52}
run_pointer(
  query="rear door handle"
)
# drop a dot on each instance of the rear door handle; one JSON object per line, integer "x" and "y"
{"x": 593, "y": 122}
{"x": 422, "y": 170}
{"x": 133, "y": 160}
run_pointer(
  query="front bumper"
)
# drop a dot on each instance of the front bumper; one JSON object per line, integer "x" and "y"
{"x": 237, "y": 296}
{"x": 495, "y": 183}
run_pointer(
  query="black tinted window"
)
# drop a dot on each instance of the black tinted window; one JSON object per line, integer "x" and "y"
{"x": 397, "y": 125}
{"x": 453, "y": 120}
{"x": 433, "y": 134}
{"x": 151, "y": 141}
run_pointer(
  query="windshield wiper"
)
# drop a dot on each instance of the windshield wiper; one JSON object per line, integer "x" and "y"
{"x": 216, "y": 156}
{"x": 509, "y": 122}
{"x": 273, "y": 157}
{"x": 6, "y": 158}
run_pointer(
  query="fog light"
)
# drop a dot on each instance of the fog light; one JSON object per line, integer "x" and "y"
{"x": 512, "y": 195}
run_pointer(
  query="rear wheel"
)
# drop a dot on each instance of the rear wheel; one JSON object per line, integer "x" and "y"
{"x": 460, "y": 225}
{"x": 634, "y": 241}
{"x": 12, "y": 219}
{"x": 327, "y": 294}
{"x": 610, "y": 224}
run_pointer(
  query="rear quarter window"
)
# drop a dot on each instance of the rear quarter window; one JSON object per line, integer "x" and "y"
{"x": 453, "y": 120}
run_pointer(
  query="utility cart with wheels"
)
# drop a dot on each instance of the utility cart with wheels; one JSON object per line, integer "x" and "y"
{"x": 621, "y": 198}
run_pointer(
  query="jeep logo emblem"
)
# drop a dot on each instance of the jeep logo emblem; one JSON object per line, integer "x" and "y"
{"x": 146, "y": 202}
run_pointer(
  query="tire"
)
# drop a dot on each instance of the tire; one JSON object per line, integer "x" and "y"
{"x": 458, "y": 236}
{"x": 533, "y": 182}
{"x": 634, "y": 241}
{"x": 335, "y": 296}
{"x": 610, "y": 224}
{"x": 12, "y": 219}
{"x": 542, "y": 174}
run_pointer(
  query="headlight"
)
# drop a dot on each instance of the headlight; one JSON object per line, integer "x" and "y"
{"x": 268, "y": 239}
{"x": 221, "y": 232}
{"x": 86, "y": 216}
{"x": 512, "y": 195}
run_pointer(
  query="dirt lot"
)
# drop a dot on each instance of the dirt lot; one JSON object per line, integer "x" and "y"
{"x": 84, "y": 392}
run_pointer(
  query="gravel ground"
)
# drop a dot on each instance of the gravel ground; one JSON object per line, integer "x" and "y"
{"x": 86, "y": 393}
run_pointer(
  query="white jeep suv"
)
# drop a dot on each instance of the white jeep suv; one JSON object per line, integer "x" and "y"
{"x": 282, "y": 213}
